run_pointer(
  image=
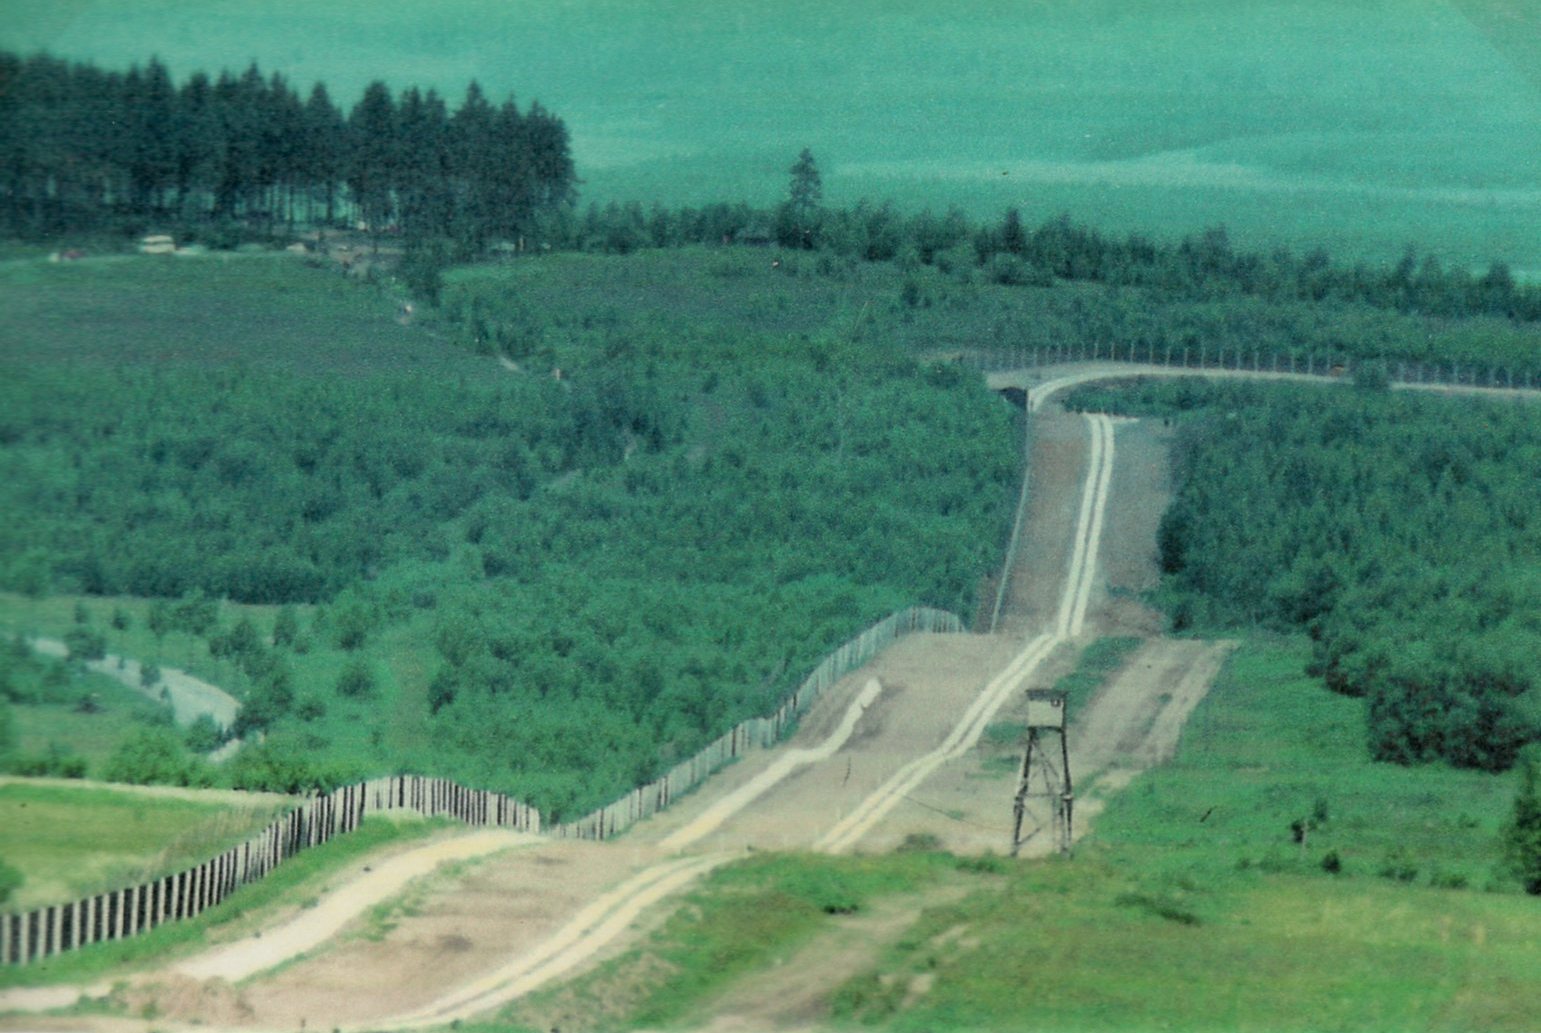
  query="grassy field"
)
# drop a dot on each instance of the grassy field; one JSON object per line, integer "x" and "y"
{"x": 1357, "y": 125}
{"x": 261, "y": 311}
{"x": 72, "y": 841}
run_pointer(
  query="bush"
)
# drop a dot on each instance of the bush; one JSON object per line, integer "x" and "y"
{"x": 1011, "y": 271}
{"x": 277, "y": 768}
{"x": 350, "y": 624}
{"x": 356, "y": 681}
{"x": 204, "y": 735}
{"x": 286, "y": 626}
{"x": 155, "y": 756}
{"x": 1332, "y": 864}
{"x": 85, "y": 644}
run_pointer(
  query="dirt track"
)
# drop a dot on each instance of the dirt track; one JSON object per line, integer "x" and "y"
{"x": 880, "y": 764}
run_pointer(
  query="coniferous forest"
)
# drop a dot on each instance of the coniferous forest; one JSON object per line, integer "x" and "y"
{"x": 85, "y": 148}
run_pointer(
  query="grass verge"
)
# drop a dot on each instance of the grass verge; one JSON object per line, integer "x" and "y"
{"x": 69, "y": 842}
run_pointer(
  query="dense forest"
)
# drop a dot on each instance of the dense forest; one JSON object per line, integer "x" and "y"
{"x": 84, "y": 148}
{"x": 1402, "y": 533}
{"x": 552, "y": 583}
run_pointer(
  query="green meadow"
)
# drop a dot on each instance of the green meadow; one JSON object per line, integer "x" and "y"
{"x": 1355, "y": 125}
{"x": 69, "y": 841}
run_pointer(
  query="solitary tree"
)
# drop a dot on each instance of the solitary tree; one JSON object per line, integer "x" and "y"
{"x": 1522, "y": 838}
{"x": 799, "y": 221}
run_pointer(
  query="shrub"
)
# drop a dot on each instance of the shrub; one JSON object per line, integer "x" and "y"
{"x": 155, "y": 756}
{"x": 1332, "y": 864}
{"x": 85, "y": 644}
{"x": 356, "y": 680}
{"x": 204, "y": 735}
{"x": 1398, "y": 867}
{"x": 286, "y": 626}
{"x": 350, "y": 624}
{"x": 920, "y": 843}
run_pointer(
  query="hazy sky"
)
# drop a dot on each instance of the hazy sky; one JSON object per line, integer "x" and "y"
{"x": 1365, "y": 124}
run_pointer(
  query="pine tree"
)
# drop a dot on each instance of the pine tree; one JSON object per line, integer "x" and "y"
{"x": 801, "y": 215}
{"x": 372, "y": 129}
{"x": 325, "y": 150}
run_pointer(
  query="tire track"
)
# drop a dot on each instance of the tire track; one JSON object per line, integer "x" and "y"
{"x": 1069, "y": 623}
{"x": 592, "y": 928}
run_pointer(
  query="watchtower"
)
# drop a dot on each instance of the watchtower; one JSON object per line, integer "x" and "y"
{"x": 1045, "y": 770}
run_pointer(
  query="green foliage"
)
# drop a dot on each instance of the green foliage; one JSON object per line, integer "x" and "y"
{"x": 85, "y": 643}
{"x": 1522, "y": 835}
{"x": 1398, "y": 531}
{"x": 602, "y": 563}
{"x": 156, "y": 756}
{"x": 283, "y": 767}
{"x": 10, "y": 881}
{"x": 356, "y": 681}
{"x": 204, "y": 735}
{"x": 286, "y": 626}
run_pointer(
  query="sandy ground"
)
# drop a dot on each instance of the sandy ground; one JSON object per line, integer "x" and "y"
{"x": 889, "y": 752}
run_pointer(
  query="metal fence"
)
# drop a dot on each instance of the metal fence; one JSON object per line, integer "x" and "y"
{"x": 757, "y": 732}
{"x": 116, "y": 914}
{"x": 1201, "y": 357}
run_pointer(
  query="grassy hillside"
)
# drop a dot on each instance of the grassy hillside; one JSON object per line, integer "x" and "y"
{"x": 1357, "y": 125}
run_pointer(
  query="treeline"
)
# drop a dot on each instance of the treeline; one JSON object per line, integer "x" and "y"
{"x": 1204, "y": 266}
{"x": 84, "y": 148}
{"x": 1401, "y": 533}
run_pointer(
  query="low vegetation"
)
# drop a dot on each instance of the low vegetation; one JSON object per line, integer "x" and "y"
{"x": 68, "y": 842}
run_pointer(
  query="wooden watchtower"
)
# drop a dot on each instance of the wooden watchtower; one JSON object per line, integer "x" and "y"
{"x": 1045, "y": 771}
